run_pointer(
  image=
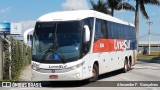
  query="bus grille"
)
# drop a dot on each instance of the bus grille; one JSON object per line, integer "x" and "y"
{"x": 53, "y": 70}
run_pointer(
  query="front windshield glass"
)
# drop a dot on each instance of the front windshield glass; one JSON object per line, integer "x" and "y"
{"x": 56, "y": 41}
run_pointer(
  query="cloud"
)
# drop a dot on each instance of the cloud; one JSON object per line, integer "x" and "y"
{"x": 5, "y": 10}
{"x": 154, "y": 14}
{"x": 133, "y": 19}
{"x": 75, "y": 4}
{"x": 27, "y": 24}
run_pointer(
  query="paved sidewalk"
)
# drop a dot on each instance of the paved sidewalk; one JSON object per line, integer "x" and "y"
{"x": 26, "y": 74}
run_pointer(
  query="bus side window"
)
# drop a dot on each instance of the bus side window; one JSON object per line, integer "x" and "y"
{"x": 125, "y": 32}
{"x": 108, "y": 25}
{"x": 107, "y": 29}
{"x": 110, "y": 30}
{"x": 104, "y": 29}
{"x": 99, "y": 31}
{"x": 122, "y": 31}
{"x": 116, "y": 31}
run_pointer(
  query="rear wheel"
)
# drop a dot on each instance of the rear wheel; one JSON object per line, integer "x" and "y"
{"x": 95, "y": 73}
{"x": 129, "y": 65}
{"x": 125, "y": 68}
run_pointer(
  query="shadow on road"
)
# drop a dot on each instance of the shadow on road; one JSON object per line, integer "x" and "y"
{"x": 110, "y": 74}
{"x": 83, "y": 83}
{"x": 67, "y": 84}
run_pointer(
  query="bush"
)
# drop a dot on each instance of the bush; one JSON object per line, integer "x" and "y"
{"x": 20, "y": 57}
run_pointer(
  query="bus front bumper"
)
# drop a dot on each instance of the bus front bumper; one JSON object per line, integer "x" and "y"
{"x": 72, "y": 75}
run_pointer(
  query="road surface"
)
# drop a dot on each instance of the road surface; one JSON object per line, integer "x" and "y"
{"x": 142, "y": 71}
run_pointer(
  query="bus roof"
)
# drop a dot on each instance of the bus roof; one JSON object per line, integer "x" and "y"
{"x": 79, "y": 15}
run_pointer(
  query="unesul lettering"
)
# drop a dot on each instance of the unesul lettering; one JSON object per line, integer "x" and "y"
{"x": 121, "y": 44}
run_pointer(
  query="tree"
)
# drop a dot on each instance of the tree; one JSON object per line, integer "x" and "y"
{"x": 119, "y": 5}
{"x": 101, "y": 6}
{"x": 109, "y": 6}
{"x": 140, "y": 4}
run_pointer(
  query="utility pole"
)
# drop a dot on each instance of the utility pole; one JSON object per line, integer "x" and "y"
{"x": 122, "y": 9}
{"x": 149, "y": 35}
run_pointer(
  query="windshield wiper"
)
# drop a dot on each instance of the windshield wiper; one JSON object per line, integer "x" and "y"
{"x": 57, "y": 46}
{"x": 62, "y": 57}
{"x": 53, "y": 48}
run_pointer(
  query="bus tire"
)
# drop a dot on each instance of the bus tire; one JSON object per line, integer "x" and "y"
{"x": 129, "y": 65}
{"x": 95, "y": 72}
{"x": 125, "y": 68}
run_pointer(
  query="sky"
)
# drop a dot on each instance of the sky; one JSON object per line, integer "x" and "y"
{"x": 27, "y": 12}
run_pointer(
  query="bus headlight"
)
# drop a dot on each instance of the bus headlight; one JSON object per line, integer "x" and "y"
{"x": 73, "y": 67}
{"x": 35, "y": 66}
{"x": 76, "y": 66}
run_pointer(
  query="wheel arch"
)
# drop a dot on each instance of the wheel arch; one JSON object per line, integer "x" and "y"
{"x": 96, "y": 63}
{"x": 126, "y": 58}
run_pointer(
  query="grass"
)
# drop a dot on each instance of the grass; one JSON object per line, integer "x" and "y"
{"x": 153, "y": 56}
{"x": 145, "y": 57}
{"x": 155, "y": 53}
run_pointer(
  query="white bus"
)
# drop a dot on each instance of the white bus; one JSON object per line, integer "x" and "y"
{"x": 79, "y": 45}
{"x": 27, "y": 36}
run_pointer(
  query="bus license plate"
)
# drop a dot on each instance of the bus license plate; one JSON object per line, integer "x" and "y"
{"x": 53, "y": 77}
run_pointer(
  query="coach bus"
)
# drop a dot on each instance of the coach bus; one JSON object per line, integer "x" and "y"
{"x": 81, "y": 45}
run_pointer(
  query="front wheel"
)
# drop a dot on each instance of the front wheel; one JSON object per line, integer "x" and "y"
{"x": 95, "y": 73}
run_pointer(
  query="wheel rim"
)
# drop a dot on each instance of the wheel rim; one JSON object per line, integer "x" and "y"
{"x": 129, "y": 65}
{"x": 125, "y": 66}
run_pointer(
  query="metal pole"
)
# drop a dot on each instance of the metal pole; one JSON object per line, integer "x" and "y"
{"x": 149, "y": 35}
{"x": 5, "y": 35}
{"x": 149, "y": 41}
{"x": 122, "y": 9}
{"x": 158, "y": 44}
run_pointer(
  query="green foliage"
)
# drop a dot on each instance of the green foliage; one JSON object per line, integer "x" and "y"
{"x": 20, "y": 57}
{"x": 6, "y": 61}
{"x": 109, "y": 6}
{"x": 100, "y": 6}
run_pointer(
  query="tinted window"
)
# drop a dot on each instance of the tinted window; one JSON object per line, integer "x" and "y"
{"x": 116, "y": 31}
{"x": 120, "y": 31}
{"x": 89, "y": 22}
{"x": 56, "y": 38}
{"x": 110, "y": 30}
{"x": 98, "y": 29}
{"x": 104, "y": 29}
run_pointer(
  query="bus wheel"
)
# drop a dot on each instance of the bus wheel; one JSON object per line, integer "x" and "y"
{"x": 125, "y": 68}
{"x": 95, "y": 73}
{"x": 129, "y": 65}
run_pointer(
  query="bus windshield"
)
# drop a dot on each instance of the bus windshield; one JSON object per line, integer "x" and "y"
{"x": 56, "y": 41}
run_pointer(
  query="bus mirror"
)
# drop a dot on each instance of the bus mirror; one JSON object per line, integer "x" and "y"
{"x": 87, "y": 33}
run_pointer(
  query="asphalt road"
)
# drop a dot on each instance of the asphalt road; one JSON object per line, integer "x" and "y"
{"x": 143, "y": 71}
